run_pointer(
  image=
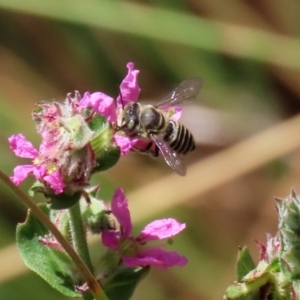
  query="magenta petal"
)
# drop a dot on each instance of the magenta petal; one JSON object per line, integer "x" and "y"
{"x": 56, "y": 182}
{"x": 156, "y": 257}
{"x": 20, "y": 173}
{"x": 101, "y": 103}
{"x": 129, "y": 87}
{"x": 140, "y": 143}
{"x": 22, "y": 147}
{"x": 39, "y": 172}
{"x": 110, "y": 239}
{"x": 124, "y": 143}
{"x": 161, "y": 229}
{"x": 119, "y": 208}
{"x": 86, "y": 100}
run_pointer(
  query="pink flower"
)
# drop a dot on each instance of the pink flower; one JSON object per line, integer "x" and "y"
{"x": 135, "y": 250}
{"x": 125, "y": 143}
{"x": 25, "y": 149}
{"x": 105, "y": 105}
{"x": 101, "y": 104}
{"x": 65, "y": 160}
{"x": 129, "y": 88}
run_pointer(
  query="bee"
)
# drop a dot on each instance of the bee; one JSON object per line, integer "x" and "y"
{"x": 153, "y": 124}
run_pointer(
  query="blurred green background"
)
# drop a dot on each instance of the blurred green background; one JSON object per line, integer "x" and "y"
{"x": 245, "y": 121}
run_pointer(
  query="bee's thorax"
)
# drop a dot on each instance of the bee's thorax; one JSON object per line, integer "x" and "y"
{"x": 152, "y": 120}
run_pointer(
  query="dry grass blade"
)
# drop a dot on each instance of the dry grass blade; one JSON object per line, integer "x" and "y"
{"x": 218, "y": 169}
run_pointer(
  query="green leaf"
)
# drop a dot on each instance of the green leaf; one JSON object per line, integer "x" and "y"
{"x": 244, "y": 264}
{"x": 63, "y": 201}
{"x": 53, "y": 265}
{"x": 122, "y": 286}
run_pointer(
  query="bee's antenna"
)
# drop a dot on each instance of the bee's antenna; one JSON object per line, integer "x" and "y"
{"x": 121, "y": 97}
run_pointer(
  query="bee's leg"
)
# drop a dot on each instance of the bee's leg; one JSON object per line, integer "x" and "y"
{"x": 155, "y": 153}
{"x": 149, "y": 146}
{"x": 146, "y": 150}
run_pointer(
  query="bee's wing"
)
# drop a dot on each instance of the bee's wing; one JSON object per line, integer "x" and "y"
{"x": 172, "y": 158}
{"x": 186, "y": 90}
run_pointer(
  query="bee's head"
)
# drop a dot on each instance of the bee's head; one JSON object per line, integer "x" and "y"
{"x": 130, "y": 117}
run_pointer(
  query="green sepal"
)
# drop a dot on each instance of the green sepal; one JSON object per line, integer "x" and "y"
{"x": 57, "y": 202}
{"x": 76, "y": 129}
{"x": 262, "y": 269}
{"x": 263, "y": 282}
{"x": 122, "y": 285}
{"x": 63, "y": 201}
{"x": 35, "y": 188}
{"x": 240, "y": 292}
{"x": 106, "y": 152}
{"x": 95, "y": 215}
{"x": 97, "y": 123}
{"x": 249, "y": 289}
{"x": 244, "y": 264}
{"x": 53, "y": 265}
{"x": 107, "y": 157}
{"x": 92, "y": 190}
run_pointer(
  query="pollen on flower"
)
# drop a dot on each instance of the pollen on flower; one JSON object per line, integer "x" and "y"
{"x": 36, "y": 161}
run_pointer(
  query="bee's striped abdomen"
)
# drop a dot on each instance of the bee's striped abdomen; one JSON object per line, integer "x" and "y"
{"x": 179, "y": 137}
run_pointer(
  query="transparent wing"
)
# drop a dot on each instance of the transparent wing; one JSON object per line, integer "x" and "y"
{"x": 185, "y": 91}
{"x": 171, "y": 157}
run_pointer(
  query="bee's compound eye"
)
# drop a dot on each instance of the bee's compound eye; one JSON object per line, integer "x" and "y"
{"x": 131, "y": 124}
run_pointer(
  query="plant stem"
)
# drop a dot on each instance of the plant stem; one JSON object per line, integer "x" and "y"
{"x": 86, "y": 274}
{"x": 78, "y": 235}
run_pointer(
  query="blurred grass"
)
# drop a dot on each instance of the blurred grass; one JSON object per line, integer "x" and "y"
{"x": 248, "y": 55}
{"x": 137, "y": 19}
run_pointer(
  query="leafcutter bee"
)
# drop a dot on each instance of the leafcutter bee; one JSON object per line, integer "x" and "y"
{"x": 154, "y": 124}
